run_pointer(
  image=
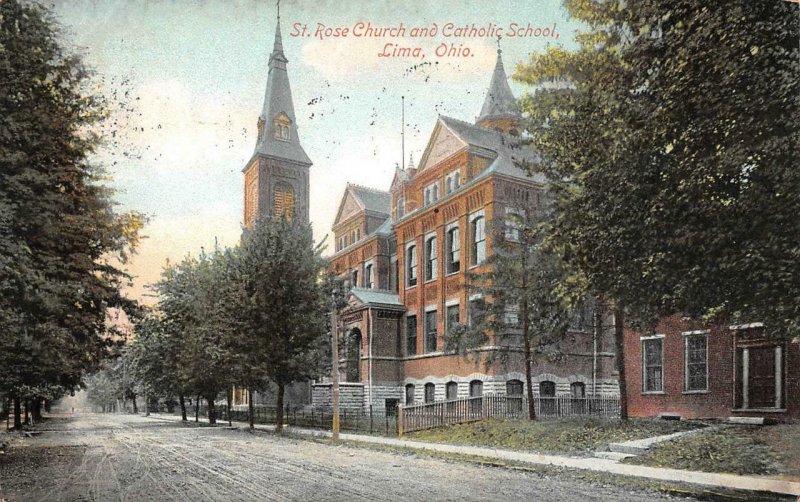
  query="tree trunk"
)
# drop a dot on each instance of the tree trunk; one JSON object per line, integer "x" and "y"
{"x": 135, "y": 408}
{"x": 183, "y": 407}
{"x": 27, "y": 411}
{"x": 619, "y": 341}
{"x": 526, "y": 338}
{"x": 36, "y": 409}
{"x": 250, "y": 409}
{"x": 212, "y": 411}
{"x": 279, "y": 410}
{"x": 229, "y": 396}
{"x": 17, "y": 414}
{"x": 197, "y": 409}
{"x": 146, "y": 405}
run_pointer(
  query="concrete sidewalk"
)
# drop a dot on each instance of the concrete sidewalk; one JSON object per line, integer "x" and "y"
{"x": 714, "y": 480}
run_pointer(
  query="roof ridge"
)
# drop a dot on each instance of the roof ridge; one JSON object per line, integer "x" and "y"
{"x": 371, "y": 189}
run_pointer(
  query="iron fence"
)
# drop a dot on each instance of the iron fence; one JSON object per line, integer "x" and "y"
{"x": 417, "y": 417}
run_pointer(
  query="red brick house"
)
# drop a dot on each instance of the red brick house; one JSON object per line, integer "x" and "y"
{"x": 692, "y": 370}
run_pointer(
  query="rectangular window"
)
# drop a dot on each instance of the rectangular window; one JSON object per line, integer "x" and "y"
{"x": 430, "y": 331}
{"x": 411, "y": 266}
{"x": 368, "y": 278}
{"x": 653, "y": 362}
{"x": 452, "y": 316}
{"x": 430, "y": 259}
{"x": 453, "y": 251}
{"x": 478, "y": 240}
{"x": 393, "y": 276}
{"x": 696, "y": 357}
{"x": 411, "y": 335}
{"x": 511, "y": 316}
{"x": 477, "y": 311}
{"x": 354, "y": 278}
{"x": 512, "y": 222}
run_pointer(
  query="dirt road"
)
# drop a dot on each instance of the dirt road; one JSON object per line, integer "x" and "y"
{"x": 124, "y": 457}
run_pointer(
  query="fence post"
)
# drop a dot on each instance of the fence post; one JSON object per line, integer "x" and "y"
{"x": 399, "y": 420}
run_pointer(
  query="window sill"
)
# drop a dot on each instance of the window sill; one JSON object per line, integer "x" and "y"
{"x": 448, "y": 274}
{"x": 411, "y": 287}
{"x": 428, "y": 281}
{"x": 690, "y": 392}
{"x": 653, "y": 393}
{"x": 759, "y": 410}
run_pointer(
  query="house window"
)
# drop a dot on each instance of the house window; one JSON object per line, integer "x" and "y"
{"x": 577, "y": 389}
{"x": 411, "y": 266}
{"x": 653, "y": 364}
{"x": 411, "y": 335}
{"x": 451, "y": 391}
{"x": 511, "y": 316}
{"x": 452, "y": 316}
{"x": 451, "y": 182}
{"x": 512, "y": 224}
{"x": 354, "y": 278}
{"x": 430, "y": 331}
{"x": 410, "y": 393}
{"x": 547, "y": 388}
{"x": 368, "y": 277}
{"x": 696, "y": 357}
{"x": 430, "y": 392}
{"x": 453, "y": 251}
{"x": 401, "y": 206}
{"x": 475, "y": 388}
{"x": 478, "y": 240}
{"x": 430, "y": 259}
{"x": 477, "y": 311}
{"x": 514, "y": 388}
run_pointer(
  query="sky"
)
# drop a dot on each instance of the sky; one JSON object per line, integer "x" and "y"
{"x": 187, "y": 79}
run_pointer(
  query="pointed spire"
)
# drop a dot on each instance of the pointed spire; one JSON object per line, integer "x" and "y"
{"x": 499, "y": 104}
{"x": 411, "y": 161}
{"x": 277, "y": 136}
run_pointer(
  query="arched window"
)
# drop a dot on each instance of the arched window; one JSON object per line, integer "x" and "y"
{"x": 411, "y": 265}
{"x": 478, "y": 240}
{"x": 451, "y": 390}
{"x": 410, "y": 393}
{"x": 430, "y": 259}
{"x": 547, "y": 388}
{"x": 354, "y": 356}
{"x": 475, "y": 388}
{"x": 283, "y": 201}
{"x": 281, "y": 126}
{"x": 430, "y": 392}
{"x": 401, "y": 205}
{"x": 577, "y": 389}
{"x": 368, "y": 277}
{"x": 453, "y": 251}
{"x": 514, "y": 388}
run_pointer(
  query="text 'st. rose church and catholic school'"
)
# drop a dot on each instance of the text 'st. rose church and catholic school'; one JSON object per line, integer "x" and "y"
{"x": 407, "y": 253}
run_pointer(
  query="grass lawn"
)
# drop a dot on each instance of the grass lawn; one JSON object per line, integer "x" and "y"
{"x": 551, "y": 436}
{"x": 737, "y": 450}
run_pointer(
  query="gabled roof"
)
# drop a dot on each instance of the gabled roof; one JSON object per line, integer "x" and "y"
{"x": 499, "y": 102}
{"x": 377, "y": 297}
{"x": 365, "y": 199}
{"x": 277, "y": 100}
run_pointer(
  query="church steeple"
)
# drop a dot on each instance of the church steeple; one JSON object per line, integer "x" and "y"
{"x": 500, "y": 110}
{"x": 276, "y": 179}
{"x": 277, "y": 127}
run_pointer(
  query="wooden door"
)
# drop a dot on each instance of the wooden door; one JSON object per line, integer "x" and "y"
{"x": 761, "y": 378}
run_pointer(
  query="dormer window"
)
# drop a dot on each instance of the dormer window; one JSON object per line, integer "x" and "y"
{"x": 401, "y": 206}
{"x": 281, "y": 126}
{"x": 431, "y": 193}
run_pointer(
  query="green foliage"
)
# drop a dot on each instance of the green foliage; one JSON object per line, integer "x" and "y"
{"x": 671, "y": 139}
{"x": 555, "y": 436}
{"x": 60, "y": 238}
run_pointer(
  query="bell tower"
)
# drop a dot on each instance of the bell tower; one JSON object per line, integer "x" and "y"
{"x": 276, "y": 179}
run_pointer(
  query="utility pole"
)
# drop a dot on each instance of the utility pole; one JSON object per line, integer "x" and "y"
{"x": 334, "y": 369}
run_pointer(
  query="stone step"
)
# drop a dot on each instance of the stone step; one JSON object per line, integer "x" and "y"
{"x": 746, "y": 420}
{"x": 612, "y": 455}
{"x": 628, "y": 448}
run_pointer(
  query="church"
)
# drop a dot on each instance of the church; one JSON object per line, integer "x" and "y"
{"x": 406, "y": 254}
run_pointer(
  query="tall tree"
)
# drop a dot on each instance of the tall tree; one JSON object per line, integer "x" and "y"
{"x": 671, "y": 137}
{"x": 61, "y": 238}
{"x": 284, "y": 307}
{"x": 523, "y": 302}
